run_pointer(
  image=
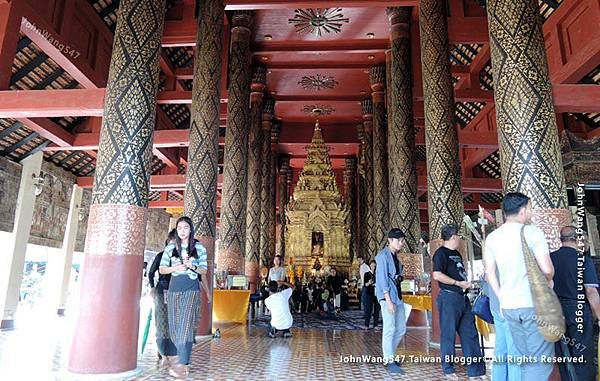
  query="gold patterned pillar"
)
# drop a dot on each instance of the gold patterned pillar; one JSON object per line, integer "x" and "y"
{"x": 380, "y": 172}
{"x": 530, "y": 157}
{"x": 255, "y": 136}
{"x": 350, "y": 193}
{"x": 117, "y": 220}
{"x": 363, "y": 238}
{"x": 402, "y": 170}
{"x": 284, "y": 172}
{"x": 266, "y": 179}
{"x": 367, "y": 107}
{"x": 233, "y": 202}
{"x": 200, "y": 202}
{"x": 272, "y": 179}
{"x": 444, "y": 193}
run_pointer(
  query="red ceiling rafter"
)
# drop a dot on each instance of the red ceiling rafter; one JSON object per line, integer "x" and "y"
{"x": 90, "y": 102}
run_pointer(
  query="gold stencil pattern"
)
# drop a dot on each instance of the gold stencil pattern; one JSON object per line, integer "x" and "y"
{"x": 266, "y": 158}
{"x": 125, "y": 151}
{"x": 116, "y": 229}
{"x": 550, "y": 221}
{"x": 403, "y": 201}
{"x": 380, "y": 172}
{"x": 284, "y": 171}
{"x": 233, "y": 205}
{"x": 200, "y": 202}
{"x": 255, "y": 137}
{"x": 350, "y": 189}
{"x": 444, "y": 192}
{"x": 530, "y": 156}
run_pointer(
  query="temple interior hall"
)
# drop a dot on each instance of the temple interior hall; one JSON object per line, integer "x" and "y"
{"x": 289, "y": 137}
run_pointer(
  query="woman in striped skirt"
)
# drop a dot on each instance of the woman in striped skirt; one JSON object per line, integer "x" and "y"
{"x": 185, "y": 260}
{"x": 166, "y": 350}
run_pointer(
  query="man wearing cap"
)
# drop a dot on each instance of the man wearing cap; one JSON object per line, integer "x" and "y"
{"x": 454, "y": 307}
{"x": 387, "y": 290}
{"x": 575, "y": 284}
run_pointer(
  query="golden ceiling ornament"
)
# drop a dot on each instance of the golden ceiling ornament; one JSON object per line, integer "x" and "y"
{"x": 318, "y": 82}
{"x": 318, "y": 20}
{"x": 317, "y": 215}
{"x": 318, "y": 109}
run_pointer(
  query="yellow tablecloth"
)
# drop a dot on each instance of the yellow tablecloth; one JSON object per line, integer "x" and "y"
{"x": 424, "y": 303}
{"x": 230, "y": 306}
{"x": 418, "y": 302}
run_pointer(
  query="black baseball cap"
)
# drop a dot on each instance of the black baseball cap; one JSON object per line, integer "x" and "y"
{"x": 396, "y": 233}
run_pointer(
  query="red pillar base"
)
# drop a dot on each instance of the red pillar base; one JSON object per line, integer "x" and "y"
{"x": 106, "y": 337}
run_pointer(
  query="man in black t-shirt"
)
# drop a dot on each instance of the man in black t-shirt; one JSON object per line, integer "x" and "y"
{"x": 454, "y": 306}
{"x": 569, "y": 268}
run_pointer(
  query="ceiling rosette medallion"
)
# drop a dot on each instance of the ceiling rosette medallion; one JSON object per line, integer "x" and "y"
{"x": 318, "y": 109}
{"x": 318, "y": 82}
{"x": 318, "y": 21}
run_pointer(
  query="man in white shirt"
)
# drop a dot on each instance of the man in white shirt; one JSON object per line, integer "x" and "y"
{"x": 504, "y": 253}
{"x": 362, "y": 270}
{"x": 278, "y": 304}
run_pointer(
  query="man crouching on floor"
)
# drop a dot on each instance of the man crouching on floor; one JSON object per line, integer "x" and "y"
{"x": 278, "y": 304}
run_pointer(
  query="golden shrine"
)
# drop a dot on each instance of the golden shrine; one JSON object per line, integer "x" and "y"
{"x": 317, "y": 232}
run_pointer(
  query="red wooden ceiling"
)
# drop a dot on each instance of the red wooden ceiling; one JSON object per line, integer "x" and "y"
{"x": 345, "y": 56}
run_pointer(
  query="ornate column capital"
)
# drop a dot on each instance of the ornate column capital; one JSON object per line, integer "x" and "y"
{"x": 275, "y": 132}
{"x": 241, "y": 21}
{"x": 284, "y": 164}
{"x": 367, "y": 109}
{"x": 268, "y": 111}
{"x": 258, "y": 84}
{"x": 399, "y": 18}
{"x": 377, "y": 79}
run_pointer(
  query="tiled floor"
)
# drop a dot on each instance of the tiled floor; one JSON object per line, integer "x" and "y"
{"x": 242, "y": 353}
{"x": 248, "y": 354}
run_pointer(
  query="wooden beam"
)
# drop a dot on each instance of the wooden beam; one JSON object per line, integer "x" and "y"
{"x": 470, "y": 185}
{"x": 279, "y": 4}
{"x": 30, "y": 27}
{"x": 49, "y": 130}
{"x": 461, "y": 30}
{"x": 177, "y": 182}
{"x": 576, "y": 98}
{"x": 51, "y": 103}
{"x": 10, "y": 19}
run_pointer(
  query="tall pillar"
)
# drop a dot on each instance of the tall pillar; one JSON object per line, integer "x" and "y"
{"x": 13, "y": 259}
{"x": 444, "y": 193}
{"x": 265, "y": 186}
{"x": 284, "y": 169}
{"x": 58, "y": 270}
{"x": 255, "y": 136}
{"x": 272, "y": 205}
{"x": 380, "y": 173}
{"x": 363, "y": 240}
{"x": 367, "y": 107}
{"x": 402, "y": 170}
{"x": 200, "y": 198}
{"x": 233, "y": 201}
{"x": 117, "y": 221}
{"x": 350, "y": 198}
{"x": 530, "y": 157}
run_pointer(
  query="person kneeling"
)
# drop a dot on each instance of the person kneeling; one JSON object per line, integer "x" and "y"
{"x": 278, "y": 304}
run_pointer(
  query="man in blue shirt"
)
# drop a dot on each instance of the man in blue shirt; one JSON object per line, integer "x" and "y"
{"x": 387, "y": 291}
{"x": 575, "y": 284}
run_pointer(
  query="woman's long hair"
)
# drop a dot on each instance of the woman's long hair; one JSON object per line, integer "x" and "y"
{"x": 191, "y": 244}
